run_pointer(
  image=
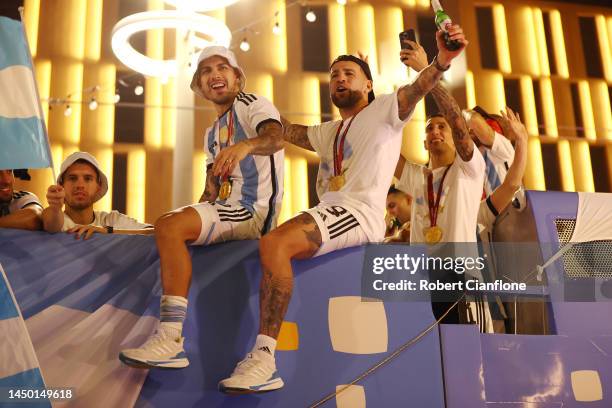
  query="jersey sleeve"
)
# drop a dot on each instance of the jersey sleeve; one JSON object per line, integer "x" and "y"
{"x": 316, "y": 134}
{"x": 475, "y": 167}
{"x": 259, "y": 110}
{"x": 409, "y": 178}
{"x": 502, "y": 151}
{"x": 387, "y": 107}
{"x": 22, "y": 199}
{"x": 209, "y": 145}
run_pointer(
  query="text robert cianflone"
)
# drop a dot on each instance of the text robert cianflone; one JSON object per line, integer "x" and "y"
{"x": 470, "y": 285}
{"x": 411, "y": 264}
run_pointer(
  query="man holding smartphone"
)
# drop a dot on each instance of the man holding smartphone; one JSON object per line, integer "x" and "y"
{"x": 358, "y": 155}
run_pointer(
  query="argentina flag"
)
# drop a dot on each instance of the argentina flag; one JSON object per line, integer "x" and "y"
{"x": 22, "y": 131}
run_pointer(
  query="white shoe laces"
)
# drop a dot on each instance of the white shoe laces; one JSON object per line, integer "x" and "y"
{"x": 252, "y": 366}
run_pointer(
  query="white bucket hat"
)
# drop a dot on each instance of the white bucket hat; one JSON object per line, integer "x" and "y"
{"x": 70, "y": 160}
{"x": 221, "y": 52}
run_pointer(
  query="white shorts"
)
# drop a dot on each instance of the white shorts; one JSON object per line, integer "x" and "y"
{"x": 224, "y": 222}
{"x": 339, "y": 228}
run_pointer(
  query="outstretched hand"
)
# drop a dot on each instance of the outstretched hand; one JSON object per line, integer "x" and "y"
{"x": 455, "y": 33}
{"x": 416, "y": 58}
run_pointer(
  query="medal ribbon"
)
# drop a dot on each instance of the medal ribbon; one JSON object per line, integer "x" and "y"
{"x": 339, "y": 153}
{"x": 230, "y": 132}
{"x": 434, "y": 206}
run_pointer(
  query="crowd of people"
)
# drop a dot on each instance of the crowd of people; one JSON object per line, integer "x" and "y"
{"x": 472, "y": 174}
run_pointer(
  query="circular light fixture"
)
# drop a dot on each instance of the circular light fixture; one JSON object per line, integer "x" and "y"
{"x": 200, "y": 5}
{"x": 276, "y": 30}
{"x": 215, "y": 31}
{"x": 68, "y": 111}
{"x": 117, "y": 98}
{"x": 311, "y": 17}
{"x": 93, "y": 104}
{"x": 138, "y": 90}
{"x": 244, "y": 45}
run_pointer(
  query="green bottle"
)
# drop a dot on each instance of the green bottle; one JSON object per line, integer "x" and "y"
{"x": 442, "y": 21}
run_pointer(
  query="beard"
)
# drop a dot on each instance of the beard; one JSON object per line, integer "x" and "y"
{"x": 81, "y": 204}
{"x": 350, "y": 99}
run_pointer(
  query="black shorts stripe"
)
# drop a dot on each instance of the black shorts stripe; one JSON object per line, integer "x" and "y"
{"x": 345, "y": 230}
{"x": 341, "y": 226}
{"x": 232, "y": 212}
{"x": 236, "y": 219}
{"x": 349, "y": 216}
{"x": 271, "y": 208}
{"x": 491, "y": 206}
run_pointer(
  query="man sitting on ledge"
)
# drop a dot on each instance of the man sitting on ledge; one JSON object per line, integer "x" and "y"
{"x": 80, "y": 184}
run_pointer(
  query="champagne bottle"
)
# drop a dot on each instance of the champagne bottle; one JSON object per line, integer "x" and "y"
{"x": 442, "y": 21}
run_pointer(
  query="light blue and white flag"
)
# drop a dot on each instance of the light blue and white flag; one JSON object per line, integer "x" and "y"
{"x": 23, "y": 140}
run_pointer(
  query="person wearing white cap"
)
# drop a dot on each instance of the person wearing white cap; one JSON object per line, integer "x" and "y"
{"x": 80, "y": 184}
{"x": 241, "y": 199}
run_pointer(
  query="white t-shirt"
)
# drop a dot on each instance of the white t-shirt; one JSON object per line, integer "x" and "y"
{"x": 20, "y": 200}
{"x": 108, "y": 219}
{"x": 459, "y": 203}
{"x": 498, "y": 160}
{"x": 257, "y": 182}
{"x": 371, "y": 150}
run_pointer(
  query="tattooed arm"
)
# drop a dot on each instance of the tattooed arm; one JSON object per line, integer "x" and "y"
{"x": 269, "y": 140}
{"x": 211, "y": 189}
{"x": 429, "y": 76}
{"x": 296, "y": 134}
{"x": 451, "y": 111}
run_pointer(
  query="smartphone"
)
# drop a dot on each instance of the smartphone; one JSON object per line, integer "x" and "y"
{"x": 407, "y": 35}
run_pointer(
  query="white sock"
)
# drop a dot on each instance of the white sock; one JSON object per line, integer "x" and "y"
{"x": 173, "y": 310}
{"x": 265, "y": 343}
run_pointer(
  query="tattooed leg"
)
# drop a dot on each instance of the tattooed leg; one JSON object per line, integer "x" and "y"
{"x": 298, "y": 238}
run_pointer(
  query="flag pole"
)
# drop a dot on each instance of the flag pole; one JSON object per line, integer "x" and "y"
{"x": 40, "y": 111}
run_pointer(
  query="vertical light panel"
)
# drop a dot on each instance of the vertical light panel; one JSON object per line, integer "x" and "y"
{"x": 336, "y": 30}
{"x": 556, "y": 29}
{"x": 169, "y": 114}
{"x": 98, "y": 125}
{"x": 601, "y": 109}
{"x": 413, "y": 136}
{"x": 548, "y": 107}
{"x": 66, "y": 80}
{"x": 524, "y": 53}
{"x": 581, "y": 160}
{"x": 501, "y": 38}
{"x": 287, "y": 205}
{"x": 565, "y": 166}
{"x": 93, "y": 31}
{"x": 136, "y": 184}
{"x": 70, "y": 41}
{"x": 490, "y": 93}
{"x": 261, "y": 84}
{"x": 540, "y": 40}
{"x": 534, "y": 172}
{"x": 42, "y": 70}
{"x": 389, "y": 21}
{"x": 279, "y": 42}
{"x": 105, "y": 159}
{"x": 360, "y": 29}
{"x": 604, "y": 46}
{"x": 529, "y": 110}
{"x": 57, "y": 153}
{"x": 31, "y": 13}
{"x": 153, "y": 118}
{"x": 199, "y": 174}
{"x": 470, "y": 92}
{"x": 304, "y": 103}
{"x": 587, "y": 109}
{"x": 299, "y": 184}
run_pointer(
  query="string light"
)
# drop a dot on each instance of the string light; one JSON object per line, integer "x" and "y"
{"x": 311, "y": 17}
{"x": 93, "y": 104}
{"x": 68, "y": 111}
{"x": 276, "y": 30}
{"x": 138, "y": 89}
{"x": 117, "y": 97}
{"x": 244, "y": 45}
{"x": 341, "y": 2}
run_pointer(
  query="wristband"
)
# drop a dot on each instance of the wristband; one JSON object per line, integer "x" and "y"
{"x": 109, "y": 229}
{"x": 439, "y": 67}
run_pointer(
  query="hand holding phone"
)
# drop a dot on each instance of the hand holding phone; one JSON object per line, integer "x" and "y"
{"x": 407, "y": 35}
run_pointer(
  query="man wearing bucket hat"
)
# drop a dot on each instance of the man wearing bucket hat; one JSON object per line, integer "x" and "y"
{"x": 241, "y": 199}
{"x": 80, "y": 184}
{"x": 18, "y": 209}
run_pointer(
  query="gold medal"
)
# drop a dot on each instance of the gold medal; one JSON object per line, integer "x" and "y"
{"x": 223, "y": 135}
{"x": 336, "y": 182}
{"x": 225, "y": 190}
{"x": 433, "y": 234}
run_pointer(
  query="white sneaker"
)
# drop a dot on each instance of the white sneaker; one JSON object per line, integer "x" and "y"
{"x": 256, "y": 373}
{"x": 159, "y": 351}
